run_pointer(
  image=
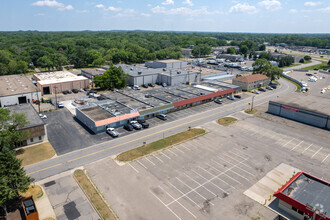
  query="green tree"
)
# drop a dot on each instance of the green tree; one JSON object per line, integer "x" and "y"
{"x": 286, "y": 61}
{"x": 22, "y": 66}
{"x": 45, "y": 62}
{"x": 201, "y": 50}
{"x": 114, "y": 77}
{"x": 231, "y": 50}
{"x": 329, "y": 63}
{"x": 262, "y": 47}
{"x": 244, "y": 50}
{"x": 301, "y": 61}
{"x": 307, "y": 58}
{"x": 262, "y": 66}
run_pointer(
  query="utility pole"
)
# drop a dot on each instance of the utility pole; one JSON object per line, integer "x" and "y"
{"x": 55, "y": 87}
{"x": 252, "y": 102}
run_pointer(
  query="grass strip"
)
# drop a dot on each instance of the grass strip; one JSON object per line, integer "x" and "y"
{"x": 321, "y": 66}
{"x": 35, "y": 154}
{"x": 93, "y": 195}
{"x": 226, "y": 121}
{"x": 296, "y": 84}
{"x": 251, "y": 111}
{"x": 160, "y": 144}
{"x": 35, "y": 191}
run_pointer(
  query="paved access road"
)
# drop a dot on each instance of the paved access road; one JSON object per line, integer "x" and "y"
{"x": 94, "y": 153}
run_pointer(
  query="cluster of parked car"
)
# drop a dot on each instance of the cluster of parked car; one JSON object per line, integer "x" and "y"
{"x": 65, "y": 92}
{"x": 270, "y": 87}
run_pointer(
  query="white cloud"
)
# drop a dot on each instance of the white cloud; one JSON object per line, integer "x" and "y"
{"x": 40, "y": 14}
{"x": 312, "y": 4}
{"x": 145, "y": 15}
{"x": 326, "y": 10}
{"x": 149, "y": 5}
{"x": 53, "y": 3}
{"x": 183, "y": 11}
{"x": 270, "y": 4}
{"x": 99, "y": 6}
{"x": 111, "y": 8}
{"x": 127, "y": 13}
{"x": 244, "y": 8}
{"x": 188, "y": 2}
{"x": 293, "y": 11}
{"x": 168, "y": 2}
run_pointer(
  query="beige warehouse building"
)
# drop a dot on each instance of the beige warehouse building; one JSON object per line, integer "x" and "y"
{"x": 252, "y": 81}
{"x": 61, "y": 81}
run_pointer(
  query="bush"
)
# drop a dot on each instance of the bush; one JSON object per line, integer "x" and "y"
{"x": 301, "y": 61}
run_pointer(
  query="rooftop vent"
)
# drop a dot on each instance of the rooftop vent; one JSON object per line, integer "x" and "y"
{"x": 164, "y": 69}
{"x": 139, "y": 72}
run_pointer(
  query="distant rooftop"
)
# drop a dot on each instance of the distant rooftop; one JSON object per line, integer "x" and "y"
{"x": 57, "y": 77}
{"x": 168, "y": 61}
{"x": 94, "y": 72}
{"x": 251, "y": 78}
{"x": 32, "y": 115}
{"x": 16, "y": 84}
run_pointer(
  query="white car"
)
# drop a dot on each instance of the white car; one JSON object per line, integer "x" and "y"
{"x": 136, "y": 125}
{"x": 112, "y": 132}
{"x": 42, "y": 116}
{"x": 255, "y": 92}
{"x": 60, "y": 105}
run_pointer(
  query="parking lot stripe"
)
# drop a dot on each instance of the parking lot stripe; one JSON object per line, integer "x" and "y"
{"x": 176, "y": 148}
{"x": 307, "y": 148}
{"x": 325, "y": 158}
{"x": 288, "y": 142}
{"x": 239, "y": 168}
{"x": 317, "y": 152}
{"x": 213, "y": 183}
{"x": 236, "y": 172}
{"x": 158, "y": 158}
{"x": 223, "y": 172}
{"x": 150, "y": 161}
{"x": 237, "y": 160}
{"x": 172, "y": 152}
{"x": 165, "y": 155}
{"x": 166, "y": 206}
{"x": 183, "y": 195}
{"x": 133, "y": 167}
{"x": 191, "y": 188}
{"x": 185, "y": 147}
{"x": 296, "y": 145}
{"x": 178, "y": 202}
{"x": 142, "y": 164}
{"x": 203, "y": 185}
{"x": 244, "y": 154}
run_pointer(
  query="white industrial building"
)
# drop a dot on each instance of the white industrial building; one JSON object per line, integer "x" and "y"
{"x": 167, "y": 64}
{"x": 17, "y": 89}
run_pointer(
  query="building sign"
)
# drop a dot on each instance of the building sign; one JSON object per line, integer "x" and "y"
{"x": 290, "y": 108}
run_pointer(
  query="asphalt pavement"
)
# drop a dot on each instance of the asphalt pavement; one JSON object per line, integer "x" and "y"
{"x": 96, "y": 152}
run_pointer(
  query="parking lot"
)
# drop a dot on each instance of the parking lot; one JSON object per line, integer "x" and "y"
{"x": 205, "y": 178}
{"x": 63, "y": 129}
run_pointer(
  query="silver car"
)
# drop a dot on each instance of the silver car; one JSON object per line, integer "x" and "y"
{"x": 136, "y": 125}
{"x": 112, "y": 132}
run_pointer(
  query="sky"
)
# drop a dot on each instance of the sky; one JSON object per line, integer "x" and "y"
{"x": 257, "y": 16}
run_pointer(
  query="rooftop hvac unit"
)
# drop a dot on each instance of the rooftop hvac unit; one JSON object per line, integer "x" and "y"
{"x": 164, "y": 69}
{"x": 139, "y": 72}
{"x": 178, "y": 72}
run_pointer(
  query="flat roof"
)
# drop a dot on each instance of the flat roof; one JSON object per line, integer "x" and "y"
{"x": 32, "y": 115}
{"x": 169, "y": 61}
{"x": 308, "y": 189}
{"x": 251, "y": 78}
{"x": 16, "y": 84}
{"x": 94, "y": 72}
{"x": 306, "y": 101}
{"x": 57, "y": 77}
{"x": 134, "y": 70}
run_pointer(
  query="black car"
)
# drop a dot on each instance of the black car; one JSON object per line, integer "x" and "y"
{"x": 316, "y": 69}
{"x": 273, "y": 86}
{"x": 92, "y": 91}
{"x": 75, "y": 90}
{"x": 145, "y": 85}
{"x": 128, "y": 127}
{"x": 143, "y": 123}
{"x": 151, "y": 85}
{"x": 262, "y": 89}
{"x": 237, "y": 96}
{"x": 65, "y": 92}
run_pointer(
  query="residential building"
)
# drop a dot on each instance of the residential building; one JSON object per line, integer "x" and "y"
{"x": 17, "y": 89}
{"x": 251, "y": 82}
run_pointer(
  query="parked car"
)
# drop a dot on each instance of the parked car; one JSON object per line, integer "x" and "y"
{"x": 143, "y": 123}
{"x": 162, "y": 117}
{"x": 151, "y": 84}
{"x": 128, "y": 127}
{"x": 136, "y": 125}
{"x": 86, "y": 89}
{"x": 75, "y": 90}
{"x": 65, "y": 92}
{"x": 274, "y": 86}
{"x": 230, "y": 98}
{"x": 112, "y": 132}
{"x": 164, "y": 85}
{"x": 269, "y": 88}
{"x": 237, "y": 96}
{"x": 262, "y": 89}
{"x": 145, "y": 85}
{"x": 81, "y": 90}
{"x": 60, "y": 105}
{"x": 69, "y": 91}
{"x": 255, "y": 92}
{"x": 316, "y": 69}
{"x": 136, "y": 87}
{"x": 42, "y": 116}
{"x": 218, "y": 101}
{"x": 92, "y": 91}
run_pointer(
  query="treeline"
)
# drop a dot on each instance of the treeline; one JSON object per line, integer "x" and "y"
{"x": 24, "y": 51}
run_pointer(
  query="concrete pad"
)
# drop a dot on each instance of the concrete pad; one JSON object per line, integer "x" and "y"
{"x": 45, "y": 209}
{"x": 70, "y": 107}
{"x": 268, "y": 185}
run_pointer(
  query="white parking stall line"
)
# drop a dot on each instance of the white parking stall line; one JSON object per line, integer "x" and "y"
{"x": 288, "y": 142}
{"x": 212, "y": 182}
{"x": 183, "y": 195}
{"x": 244, "y": 154}
{"x": 165, "y": 155}
{"x": 307, "y": 148}
{"x": 204, "y": 186}
{"x": 178, "y": 202}
{"x": 172, "y": 152}
{"x": 191, "y": 189}
{"x": 158, "y": 158}
{"x": 236, "y": 172}
{"x": 178, "y": 150}
{"x": 150, "y": 161}
{"x": 317, "y": 152}
{"x": 221, "y": 173}
{"x": 185, "y": 147}
{"x": 297, "y": 145}
{"x": 225, "y": 173}
{"x": 325, "y": 158}
{"x": 133, "y": 167}
{"x": 238, "y": 161}
{"x": 238, "y": 167}
{"x": 166, "y": 206}
{"x": 142, "y": 164}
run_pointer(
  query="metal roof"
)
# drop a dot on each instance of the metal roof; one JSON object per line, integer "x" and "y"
{"x": 16, "y": 84}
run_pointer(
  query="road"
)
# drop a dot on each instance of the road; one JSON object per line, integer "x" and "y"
{"x": 94, "y": 153}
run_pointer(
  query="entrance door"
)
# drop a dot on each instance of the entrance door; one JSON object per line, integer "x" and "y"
{"x": 21, "y": 100}
{"x": 46, "y": 90}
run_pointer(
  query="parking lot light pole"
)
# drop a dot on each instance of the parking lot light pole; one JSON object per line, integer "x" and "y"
{"x": 252, "y": 102}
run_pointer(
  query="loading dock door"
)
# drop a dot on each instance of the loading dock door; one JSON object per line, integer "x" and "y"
{"x": 21, "y": 99}
{"x": 46, "y": 90}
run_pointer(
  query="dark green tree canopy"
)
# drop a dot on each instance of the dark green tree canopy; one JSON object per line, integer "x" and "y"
{"x": 201, "y": 50}
{"x": 231, "y": 50}
{"x": 262, "y": 66}
{"x": 113, "y": 78}
{"x": 307, "y": 58}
